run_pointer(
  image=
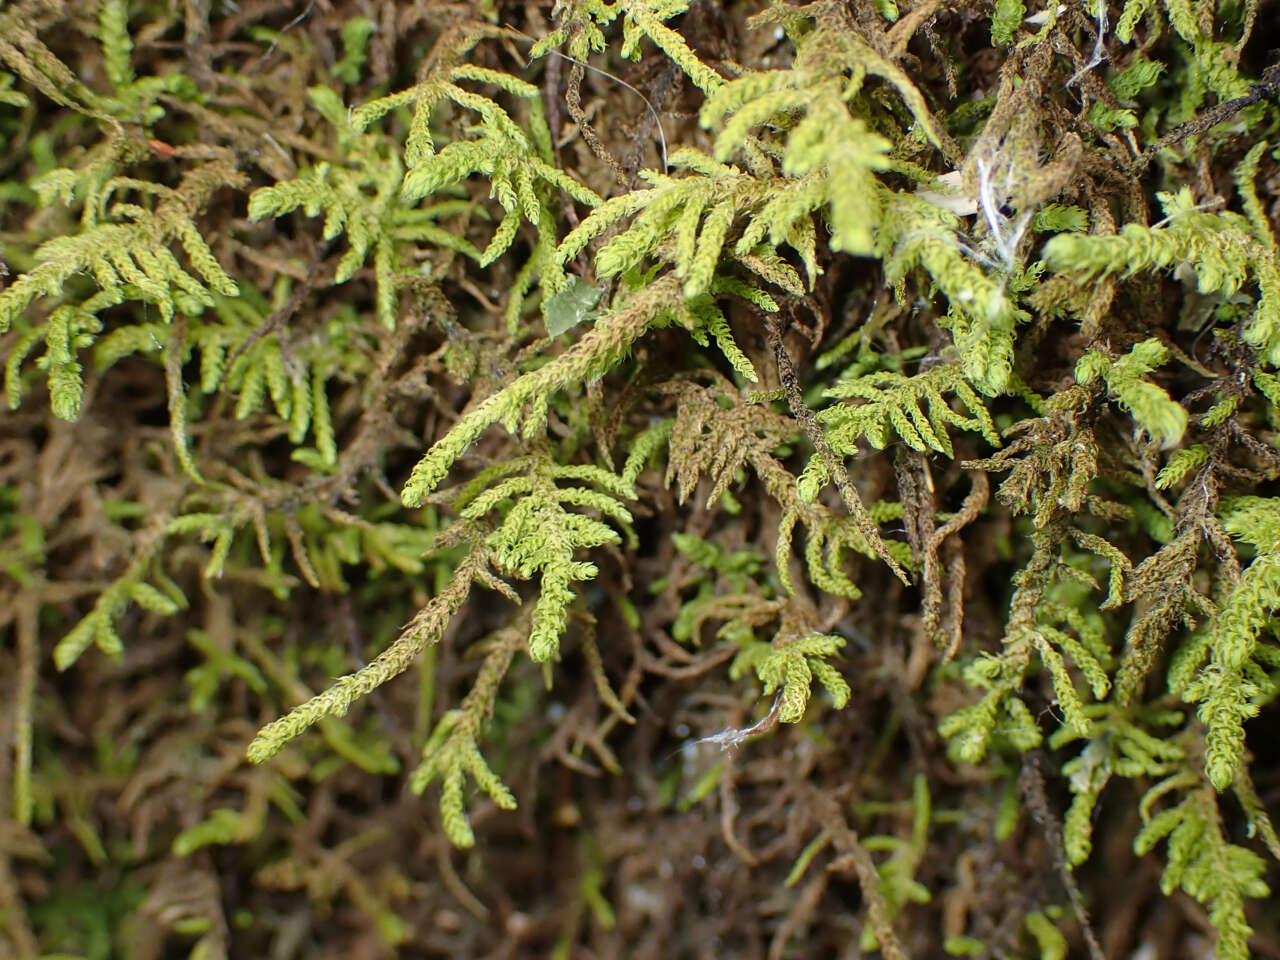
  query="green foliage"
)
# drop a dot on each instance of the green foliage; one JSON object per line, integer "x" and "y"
{"x": 356, "y": 33}
{"x": 98, "y": 627}
{"x": 126, "y": 248}
{"x": 221, "y": 827}
{"x": 694, "y": 214}
{"x": 426, "y": 628}
{"x": 1221, "y": 251}
{"x": 1140, "y": 74}
{"x": 1150, "y": 406}
{"x": 831, "y": 156}
{"x": 238, "y": 357}
{"x": 894, "y": 407}
{"x": 898, "y": 883}
{"x": 1112, "y": 119}
{"x": 816, "y": 230}
{"x": 450, "y": 754}
{"x": 1181, "y": 464}
{"x": 1210, "y": 66}
{"x": 206, "y": 679}
{"x": 1118, "y": 744}
{"x": 363, "y": 199}
{"x": 516, "y": 162}
{"x": 522, "y": 405}
{"x": 832, "y": 538}
{"x": 732, "y": 594}
{"x": 1201, "y": 860}
{"x": 1051, "y": 619}
{"x": 1006, "y": 18}
{"x": 982, "y": 318}
{"x": 538, "y": 535}
{"x": 1058, "y": 217}
{"x": 586, "y": 19}
{"x": 789, "y": 665}
{"x": 1234, "y": 683}
{"x": 1049, "y": 939}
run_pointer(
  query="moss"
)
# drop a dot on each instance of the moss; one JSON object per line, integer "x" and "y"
{"x": 413, "y": 394}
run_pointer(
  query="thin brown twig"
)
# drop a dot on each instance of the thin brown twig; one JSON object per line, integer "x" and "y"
{"x": 1031, "y": 785}
{"x": 1267, "y": 87}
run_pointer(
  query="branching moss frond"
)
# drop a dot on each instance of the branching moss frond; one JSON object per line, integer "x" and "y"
{"x": 604, "y": 345}
{"x": 583, "y": 22}
{"x": 452, "y": 753}
{"x": 1238, "y": 678}
{"x": 516, "y": 162}
{"x": 539, "y": 536}
{"x": 1051, "y": 462}
{"x": 1119, "y": 744}
{"x": 718, "y": 434}
{"x": 982, "y": 316}
{"x": 831, "y": 156}
{"x": 895, "y": 406}
{"x": 1050, "y": 620}
{"x": 23, "y": 52}
{"x": 1220, "y": 250}
{"x": 362, "y": 199}
{"x": 899, "y": 884}
{"x": 1201, "y": 859}
{"x": 320, "y": 540}
{"x": 1150, "y": 406}
{"x": 128, "y": 254}
{"x": 98, "y": 627}
{"x": 848, "y": 193}
{"x": 425, "y": 629}
{"x": 688, "y": 221}
{"x": 790, "y": 665}
{"x": 246, "y": 351}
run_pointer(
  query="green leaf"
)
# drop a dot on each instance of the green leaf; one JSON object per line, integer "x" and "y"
{"x": 571, "y": 306}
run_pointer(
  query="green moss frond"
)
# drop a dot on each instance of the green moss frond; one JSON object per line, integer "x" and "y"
{"x": 604, "y": 345}
{"x": 830, "y": 155}
{"x": 1236, "y": 679}
{"x": 425, "y": 629}
{"x": 839, "y": 150}
{"x": 718, "y": 435}
{"x": 363, "y": 200}
{"x": 98, "y": 627}
{"x": 515, "y": 161}
{"x": 1221, "y": 251}
{"x": 538, "y": 535}
{"x": 894, "y": 406}
{"x": 1119, "y": 744}
{"x": 1150, "y": 406}
{"x": 789, "y": 665}
{"x": 1202, "y": 861}
{"x": 1182, "y": 463}
{"x": 452, "y": 754}
{"x": 1049, "y": 621}
{"x": 1051, "y": 460}
{"x": 583, "y": 22}
{"x": 24, "y": 53}
{"x": 982, "y": 317}
{"x": 129, "y": 254}
{"x": 687, "y": 221}
{"x": 850, "y": 199}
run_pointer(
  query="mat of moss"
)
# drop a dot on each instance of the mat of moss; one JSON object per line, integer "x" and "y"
{"x": 649, "y": 479}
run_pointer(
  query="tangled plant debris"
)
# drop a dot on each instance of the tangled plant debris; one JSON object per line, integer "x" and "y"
{"x": 656, "y": 478}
